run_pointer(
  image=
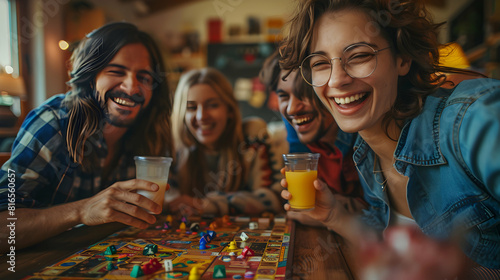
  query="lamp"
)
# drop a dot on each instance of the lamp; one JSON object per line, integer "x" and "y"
{"x": 12, "y": 90}
{"x": 452, "y": 55}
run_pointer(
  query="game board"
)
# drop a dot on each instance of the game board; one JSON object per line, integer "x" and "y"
{"x": 270, "y": 243}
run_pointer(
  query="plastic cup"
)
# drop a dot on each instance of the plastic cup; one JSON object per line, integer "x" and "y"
{"x": 301, "y": 169}
{"x": 155, "y": 170}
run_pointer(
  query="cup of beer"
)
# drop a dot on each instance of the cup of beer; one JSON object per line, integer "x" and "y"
{"x": 301, "y": 169}
{"x": 155, "y": 170}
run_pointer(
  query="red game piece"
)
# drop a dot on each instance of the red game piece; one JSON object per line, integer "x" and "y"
{"x": 151, "y": 267}
{"x": 247, "y": 252}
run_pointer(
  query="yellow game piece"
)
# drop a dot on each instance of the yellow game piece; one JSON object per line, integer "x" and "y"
{"x": 182, "y": 226}
{"x": 194, "y": 274}
{"x": 169, "y": 219}
{"x": 232, "y": 245}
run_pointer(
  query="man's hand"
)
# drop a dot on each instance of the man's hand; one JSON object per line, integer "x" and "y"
{"x": 120, "y": 203}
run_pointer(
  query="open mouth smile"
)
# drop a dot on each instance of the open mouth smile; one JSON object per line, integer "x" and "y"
{"x": 355, "y": 99}
{"x": 124, "y": 102}
{"x": 302, "y": 120}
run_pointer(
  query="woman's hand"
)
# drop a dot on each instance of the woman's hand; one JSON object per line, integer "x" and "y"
{"x": 328, "y": 210}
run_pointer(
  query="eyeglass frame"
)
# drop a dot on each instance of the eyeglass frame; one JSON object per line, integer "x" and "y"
{"x": 330, "y": 60}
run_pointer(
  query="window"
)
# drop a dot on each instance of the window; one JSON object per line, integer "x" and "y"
{"x": 9, "y": 51}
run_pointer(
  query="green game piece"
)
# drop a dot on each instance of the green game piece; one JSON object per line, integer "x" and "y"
{"x": 219, "y": 272}
{"x": 136, "y": 271}
{"x": 111, "y": 250}
{"x": 150, "y": 249}
{"x": 110, "y": 266}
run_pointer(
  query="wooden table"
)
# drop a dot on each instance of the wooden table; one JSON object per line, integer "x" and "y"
{"x": 317, "y": 253}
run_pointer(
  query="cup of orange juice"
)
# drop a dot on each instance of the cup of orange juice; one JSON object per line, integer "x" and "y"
{"x": 301, "y": 169}
{"x": 155, "y": 170}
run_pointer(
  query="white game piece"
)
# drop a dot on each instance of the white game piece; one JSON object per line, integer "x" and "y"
{"x": 168, "y": 265}
{"x": 253, "y": 225}
{"x": 244, "y": 236}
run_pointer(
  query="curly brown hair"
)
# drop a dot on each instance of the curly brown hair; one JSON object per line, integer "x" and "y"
{"x": 405, "y": 24}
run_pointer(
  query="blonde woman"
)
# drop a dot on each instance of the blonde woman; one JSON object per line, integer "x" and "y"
{"x": 222, "y": 165}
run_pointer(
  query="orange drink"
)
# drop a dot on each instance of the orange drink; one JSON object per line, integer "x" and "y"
{"x": 301, "y": 169}
{"x": 300, "y": 185}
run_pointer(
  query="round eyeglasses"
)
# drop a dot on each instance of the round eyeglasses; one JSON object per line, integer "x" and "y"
{"x": 357, "y": 60}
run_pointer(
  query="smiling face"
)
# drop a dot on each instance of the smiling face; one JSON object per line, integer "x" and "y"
{"x": 206, "y": 115}
{"x": 308, "y": 121}
{"x": 125, "y": 84}
{"x": 357, "y": 104}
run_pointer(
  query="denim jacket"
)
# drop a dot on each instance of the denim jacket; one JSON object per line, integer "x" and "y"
{"x": 451, "y": 156}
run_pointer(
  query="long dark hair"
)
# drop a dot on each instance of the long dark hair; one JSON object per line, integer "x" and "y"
{"x": 406, "y": 25}
{"x": 151, "y": 132}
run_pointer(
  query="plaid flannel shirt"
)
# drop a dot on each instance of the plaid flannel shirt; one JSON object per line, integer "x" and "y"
{"x": 45, "y": 174}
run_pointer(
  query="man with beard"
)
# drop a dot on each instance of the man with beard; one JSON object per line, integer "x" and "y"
{"x": 73, "y": 157}
{"x": 316, "y": 129}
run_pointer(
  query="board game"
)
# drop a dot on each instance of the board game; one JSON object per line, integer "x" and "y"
{"x": 201, "y": 248}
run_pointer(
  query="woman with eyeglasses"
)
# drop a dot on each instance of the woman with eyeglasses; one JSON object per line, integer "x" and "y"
{"x": 428, "y": 150}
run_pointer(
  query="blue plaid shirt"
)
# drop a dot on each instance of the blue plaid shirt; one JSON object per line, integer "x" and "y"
{"x": 44, "y": 171}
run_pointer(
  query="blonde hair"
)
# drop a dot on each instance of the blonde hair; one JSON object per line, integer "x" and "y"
{"x": 192, "y": 167}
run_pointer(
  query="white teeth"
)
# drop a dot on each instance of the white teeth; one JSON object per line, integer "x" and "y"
{"x": 300, "y": 121}
{"x": 205, "y": 126}
{"x": 124, "y": 102}
{"x": 349, "y": 99}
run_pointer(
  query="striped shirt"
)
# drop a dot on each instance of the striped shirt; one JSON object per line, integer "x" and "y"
{"x": 45, "y": 174}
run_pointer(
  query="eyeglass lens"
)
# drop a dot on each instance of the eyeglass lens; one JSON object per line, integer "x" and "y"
{"x": 358, "y": 61}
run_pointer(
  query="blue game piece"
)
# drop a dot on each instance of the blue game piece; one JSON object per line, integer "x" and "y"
{"x": 212, "y": 234}
{"x": 203, "y": 243}
{"x": 207, "y": 237}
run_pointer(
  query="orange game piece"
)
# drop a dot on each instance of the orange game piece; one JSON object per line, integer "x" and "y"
{"x": 213, "y": 225}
